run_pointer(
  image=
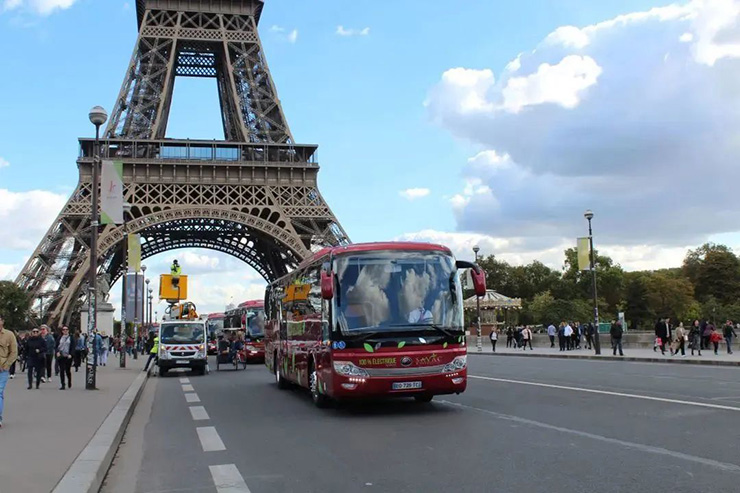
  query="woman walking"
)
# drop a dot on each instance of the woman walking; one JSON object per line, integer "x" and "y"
{"x": 494, "y": 338}
{"x": 65, "y": 350}
{"x": 527, "y": 338}
{"x": 679, "y": 341}
{"x": 695, "y": 337}
{"x": 79, "y": 351}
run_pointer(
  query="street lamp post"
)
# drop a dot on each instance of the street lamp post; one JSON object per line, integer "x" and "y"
{"x": 479, "y": 339}
{"x": 98, "y": 116}
{"x": 147, "y": 293}
{"x": 150, "y": 310}
{"x": 597, "y": 344}
{"x": 124, "y": 264}
{"x": 136, "y": 310}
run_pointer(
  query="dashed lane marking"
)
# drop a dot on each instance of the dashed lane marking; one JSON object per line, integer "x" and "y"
{"x": 614, "y": 394}
{"x": 192, "y": 397}
{"x": 209, "y": 439}
{"x": 199, "y": 413}
{"x": 185, "y": 380}
{"x": 228, "y": 479}
{"x": 187, "y": 388}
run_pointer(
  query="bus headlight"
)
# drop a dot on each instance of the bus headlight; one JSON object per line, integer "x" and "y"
{"x": 457, "y": 364}
{"x": 163, "y": 354}
{"x": 349, "y": 369}
{"x": 251, "y": 348}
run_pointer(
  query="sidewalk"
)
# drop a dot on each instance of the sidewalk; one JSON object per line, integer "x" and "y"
{"x": 45, "y": 430}
{"x": 630, "y": 354}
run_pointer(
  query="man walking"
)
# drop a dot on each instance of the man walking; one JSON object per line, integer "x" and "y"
{"x": 36, "y": 347}
{"x": 729, "y": 333}
{"x": 65, "y": 348}
{"x": 153, "y": 352}
{"x": 661, "y": 332}
{"x": 551, "y": 331}
{"x": 616, "y": 333}
{"x": 51, "y": 344}
{"x": 589, "y": 329}
{"x": 8, "y": 355}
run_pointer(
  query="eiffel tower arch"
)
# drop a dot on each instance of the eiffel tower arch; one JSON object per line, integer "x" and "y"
{"x": 253, "y": 195}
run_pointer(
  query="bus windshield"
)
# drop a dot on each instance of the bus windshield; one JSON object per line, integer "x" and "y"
{"x": 398, "y": 290}
{"x": 215, "y": 327}
{"x": 181, "y": 334}
{"x": 256, "y": 322}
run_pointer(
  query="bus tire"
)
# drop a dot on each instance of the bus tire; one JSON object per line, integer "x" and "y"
{"x": 425, "y": 398}
{"x": 320, "y": 400}
{"x": 282, "y": 384}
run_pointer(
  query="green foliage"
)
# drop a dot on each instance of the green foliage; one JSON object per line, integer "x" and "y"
{"x": 714, "y": 271}
{"x": 14, "y": 305}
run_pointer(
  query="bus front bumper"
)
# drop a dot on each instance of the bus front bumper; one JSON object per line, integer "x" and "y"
{"x": 367, "y": 387}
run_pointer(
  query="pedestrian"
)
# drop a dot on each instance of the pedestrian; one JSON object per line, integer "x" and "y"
{"x": 714, "y": 338}
{"x": 679, "y": 341}
{"x": 80, "y": 348}
{"x": 65, "y": 349}
{"x": 589, "y": 334}
{"x": 103, "y": 351}
{"x": 36, "y": 347}
{"x": 708, "y": 330}
{"x": 561, "y": 336}
{"x": 8, "y": 355}
{"x": 695, "y": 336}
{"x": 616, "y": 333}
{"x": 129, "y": 345}
{"x": 494, "y": 339}
{"x": 568, "y": 333}
{"x": 50, "y": 346}
{"x": 551, "y": 332}
{"x": 97, "y": 347}
{"x": 153, "y": 352}
{"x": 576, "y": 339}
{"x": 729, "y": 333}
{"x": 661, "y": 335}
{"x": 527, "y": 338}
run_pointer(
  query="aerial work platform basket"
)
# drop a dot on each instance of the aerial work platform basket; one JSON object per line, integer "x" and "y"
{"x": 173, "y": 293}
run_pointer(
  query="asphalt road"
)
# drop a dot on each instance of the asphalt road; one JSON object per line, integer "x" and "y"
{"x": 524, "y": 425}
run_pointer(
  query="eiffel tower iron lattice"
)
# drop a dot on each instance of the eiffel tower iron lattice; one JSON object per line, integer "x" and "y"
{"x": 253, "y": 195}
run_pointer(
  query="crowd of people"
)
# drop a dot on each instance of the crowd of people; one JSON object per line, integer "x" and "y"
{"x": 702, "y": 335}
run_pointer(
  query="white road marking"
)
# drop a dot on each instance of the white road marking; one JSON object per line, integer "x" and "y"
{"x": 724, "y": 466}
{"x": 192, "y": 397}
{"x": 199, "y": 413}
{"x": 228, "y": 480}
{"x": 209, "y": 439}
{"x": 614, "y": 394}
{"x": 187, "y": 388}
{"x": 185, "y": 380}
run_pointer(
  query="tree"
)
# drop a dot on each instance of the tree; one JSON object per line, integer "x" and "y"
{"x": 714, "y": 271}
{"x": 14, "y": 305}
{"x": 498, "y": 274}
{"x": 637, "y": 303}
{"x": 670, "y": 296}
{"x": 609, "y": 279}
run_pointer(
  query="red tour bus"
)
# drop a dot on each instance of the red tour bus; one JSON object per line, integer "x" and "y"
{"x": 250, "y": 318}
{"x": 371, "y": 320}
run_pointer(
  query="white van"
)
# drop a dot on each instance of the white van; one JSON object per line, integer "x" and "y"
{"x": 183, "y": 344}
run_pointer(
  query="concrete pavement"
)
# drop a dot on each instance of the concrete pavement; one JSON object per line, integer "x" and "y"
{"x": 534, "y": 425}
{"x": 45, "y": 430}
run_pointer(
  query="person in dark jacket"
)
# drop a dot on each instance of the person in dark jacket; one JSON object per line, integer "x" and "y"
{"x": 36, "y": 355}
{"x": 51, "y": 345}
{"x": 729, "y": 332}
{"x": 65, "y": 350}
{"x": 661, "y": 332}
{"x": 616, "y": 333}
{"x": 695, "y": 337}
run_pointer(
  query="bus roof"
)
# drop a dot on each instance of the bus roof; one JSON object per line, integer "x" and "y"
{"x": 215, "y": 316}
{"x": 378, "y": 246}
{"x": 252, "y": 304}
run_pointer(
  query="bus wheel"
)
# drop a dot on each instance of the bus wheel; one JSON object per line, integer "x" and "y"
{"x": 319, "y": 399}
{"x": 282, "y": 384}
{"x": 424, "y": 398}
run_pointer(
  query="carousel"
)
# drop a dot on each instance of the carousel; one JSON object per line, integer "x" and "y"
{"x": 494, "y": 308}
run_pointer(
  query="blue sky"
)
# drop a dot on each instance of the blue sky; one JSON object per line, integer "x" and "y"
{"x": 386, "y": 118}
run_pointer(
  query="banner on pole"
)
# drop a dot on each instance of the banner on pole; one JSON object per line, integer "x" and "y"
{"x": 134, "y": 252}
{"x": 134, "y": 297}
{"x": 111, "y": 192}
{"x": 584, "y": 254}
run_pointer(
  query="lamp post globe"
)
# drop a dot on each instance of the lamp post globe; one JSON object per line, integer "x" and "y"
{"x": 476, "y": 249}
{"x": 98, "y": 116}
{"x": 588, "y": 214}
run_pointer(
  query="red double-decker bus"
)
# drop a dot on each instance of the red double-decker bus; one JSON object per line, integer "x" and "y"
{"x": 249, "y": 317}
{"x": 214, "y": 326}
{"x": 371, "y": 320}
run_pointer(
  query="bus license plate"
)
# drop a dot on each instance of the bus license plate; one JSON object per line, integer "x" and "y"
{"x": 406, "y": 385}
{"x": 182, "y": 362}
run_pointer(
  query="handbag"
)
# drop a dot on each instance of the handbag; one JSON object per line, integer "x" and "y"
{"x": 658, "y": 341}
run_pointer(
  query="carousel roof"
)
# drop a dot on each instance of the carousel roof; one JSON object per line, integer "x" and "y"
{"x": 493, "y": 300}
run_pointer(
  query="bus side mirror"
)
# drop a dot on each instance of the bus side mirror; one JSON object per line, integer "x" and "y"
{"x": 477, "y": 274}
{"x": 327, "y": 285}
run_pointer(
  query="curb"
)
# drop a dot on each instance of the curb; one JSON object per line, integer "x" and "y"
{"x": 707, "y": 362}
{"x": 87, "y": 472}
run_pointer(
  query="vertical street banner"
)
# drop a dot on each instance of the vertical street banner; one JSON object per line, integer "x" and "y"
{"x": 134, "y": 297}
{"x": 134, "y": 252}
{"x": 584, "y": 254}
{"x": 111, "y": 192}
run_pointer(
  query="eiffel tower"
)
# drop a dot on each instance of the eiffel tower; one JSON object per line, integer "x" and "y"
{"x": 253, "y": 195}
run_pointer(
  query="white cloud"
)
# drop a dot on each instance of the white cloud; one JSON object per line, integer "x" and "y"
{"x": 277, "y": 29}
{"x": 8, "y": 272}
{"x": 126, "y": 6}
{"x": 293, "y": 36}
{"x": 342, "y": 31}
{"x": 290, "y": 37}
{"x": 26, "y": 216}
{"x": 414, "y": 193}
{"x": 4, "y": 163}
{"x": 640, "y": 138}
{"x": 40, "y": 7}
